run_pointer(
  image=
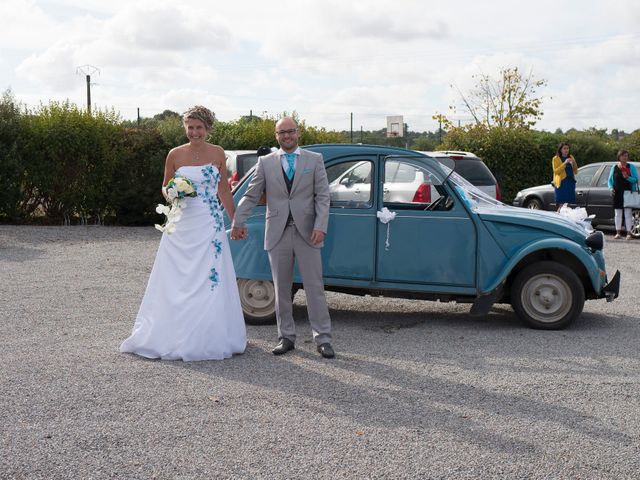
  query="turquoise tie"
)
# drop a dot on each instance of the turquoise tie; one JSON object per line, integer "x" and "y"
{"x": 291, "y": 158}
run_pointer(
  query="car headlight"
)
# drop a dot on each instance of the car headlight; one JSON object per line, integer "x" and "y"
{"x": 595, "y": 241}
{"x": 518, "y": 195}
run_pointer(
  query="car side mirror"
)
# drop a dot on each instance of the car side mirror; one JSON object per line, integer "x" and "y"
{"x": 345, "y": 181}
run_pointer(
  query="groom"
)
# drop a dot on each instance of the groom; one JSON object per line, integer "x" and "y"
{"x": 297, "y": 191}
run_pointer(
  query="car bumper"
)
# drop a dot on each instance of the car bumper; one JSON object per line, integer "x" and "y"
{"x": 610, "y": 290}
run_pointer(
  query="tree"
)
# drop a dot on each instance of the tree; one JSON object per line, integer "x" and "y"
{"x": 509, "y": 102}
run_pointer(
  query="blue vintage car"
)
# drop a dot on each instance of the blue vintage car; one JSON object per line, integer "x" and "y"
{"x": 448, "y": 241}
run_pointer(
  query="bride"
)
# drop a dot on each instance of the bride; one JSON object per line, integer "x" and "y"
{"x": 191, "y": 308}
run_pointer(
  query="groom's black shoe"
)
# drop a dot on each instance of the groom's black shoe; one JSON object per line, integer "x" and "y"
{"x": 326, "y": 350}
{"x": 283, "y": 346}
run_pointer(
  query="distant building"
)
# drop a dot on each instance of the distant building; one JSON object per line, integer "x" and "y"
{"x": 395, "y": 126}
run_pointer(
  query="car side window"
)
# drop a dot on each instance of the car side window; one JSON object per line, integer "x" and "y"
{"x": 408, "y": 186}
{"x": 603, "y": 181}
{"x": 350, "y": 184}
{"x": 585, "y": 175}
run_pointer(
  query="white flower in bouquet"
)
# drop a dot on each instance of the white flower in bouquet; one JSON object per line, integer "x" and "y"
{"x": 176, "y": 191}
{"x": 182, "y": 185}
{"x": 163, "y": 209}
{"x": 172, "y": 193}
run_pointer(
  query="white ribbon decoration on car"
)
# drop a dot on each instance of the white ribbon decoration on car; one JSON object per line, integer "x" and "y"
{"x": 385, "y": 216}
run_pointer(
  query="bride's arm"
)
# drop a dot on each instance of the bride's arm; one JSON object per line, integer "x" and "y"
{"x": 169, "y": 171}
{"x": 224, "y": 193}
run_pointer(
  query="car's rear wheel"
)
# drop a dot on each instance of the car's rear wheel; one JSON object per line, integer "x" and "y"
{"x": 533, "y": 204}
{"x": 547, "y": 295}
{"x": 635, "y": 226}
{"x": 258, "y": 299}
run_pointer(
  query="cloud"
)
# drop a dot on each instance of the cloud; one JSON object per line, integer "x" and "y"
{"x": 168, "y": 27}
{"x": 25, "y": 26}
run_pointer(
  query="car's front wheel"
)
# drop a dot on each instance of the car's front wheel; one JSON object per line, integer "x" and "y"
{"x": 547, "y": 295}
{"x": 258, "y": 299}
{"x": 533, "y": 204}
{"x": 635, "y": 226}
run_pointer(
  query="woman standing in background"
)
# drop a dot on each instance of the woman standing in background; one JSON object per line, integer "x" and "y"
{"x": 623, "y": 176}
{"x": 565, "y": 169}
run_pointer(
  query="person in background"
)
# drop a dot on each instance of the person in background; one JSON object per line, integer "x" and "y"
{"x": 623, "y": 176}
{"x": 565, "y": 169}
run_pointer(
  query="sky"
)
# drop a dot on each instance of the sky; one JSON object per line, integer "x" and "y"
{"x": 324, "y": 59}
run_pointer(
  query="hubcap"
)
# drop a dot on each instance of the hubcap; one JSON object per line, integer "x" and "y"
{"x": 546, "y": 298}
{"x": 258, "y": 297}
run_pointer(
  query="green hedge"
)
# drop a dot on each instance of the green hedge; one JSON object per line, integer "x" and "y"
{"x": 58, "y": 164}
{"x": 521, "y": 158}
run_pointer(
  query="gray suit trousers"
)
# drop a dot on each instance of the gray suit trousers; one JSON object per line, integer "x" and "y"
{"x": 292, "y": 246}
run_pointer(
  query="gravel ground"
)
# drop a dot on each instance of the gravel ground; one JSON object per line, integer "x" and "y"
{"x": 418, "y": 390}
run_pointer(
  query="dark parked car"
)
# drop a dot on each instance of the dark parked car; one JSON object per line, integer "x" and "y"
{"x": 592, "y": 193}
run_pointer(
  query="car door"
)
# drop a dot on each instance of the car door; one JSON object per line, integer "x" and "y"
{"x": 349, "y": 245}
{"x": 584, "y": 181}
{"x": 600, "y": 197}
{"x": 428, "y": 243}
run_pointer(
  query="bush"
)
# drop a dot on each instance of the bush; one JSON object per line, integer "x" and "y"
{"x": 521, "y": 158}
{"x": 67, "y": 153}
{"x": 11, "y": 167}
{"x": 134, "y": 187}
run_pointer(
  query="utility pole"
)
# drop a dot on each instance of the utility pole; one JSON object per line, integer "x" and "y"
{"x": 351, "y": 128}
{"x": 87, "y": 71}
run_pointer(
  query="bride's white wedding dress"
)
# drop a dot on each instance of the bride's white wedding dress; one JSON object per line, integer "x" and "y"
{"x": 191, "y": 309}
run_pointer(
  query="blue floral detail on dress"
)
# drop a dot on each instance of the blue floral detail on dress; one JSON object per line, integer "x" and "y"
{"x": 210, "y": 182}
{"x": 214, "y": 277}
{"x": 217, "y": 247}
{"x": 210, "y": 198}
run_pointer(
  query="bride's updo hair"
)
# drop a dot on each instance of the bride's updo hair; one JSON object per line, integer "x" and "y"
{"x": 201, "y": 113}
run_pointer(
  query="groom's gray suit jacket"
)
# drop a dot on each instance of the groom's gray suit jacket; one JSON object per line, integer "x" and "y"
{"x": 308, "y": 200}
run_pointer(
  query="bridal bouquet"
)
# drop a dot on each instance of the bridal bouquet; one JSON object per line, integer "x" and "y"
{"x": 176, "y": 190}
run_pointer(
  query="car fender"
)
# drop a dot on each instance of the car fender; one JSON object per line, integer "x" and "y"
{"x": 580, "y": 253}
{"x": 250, "y": 259}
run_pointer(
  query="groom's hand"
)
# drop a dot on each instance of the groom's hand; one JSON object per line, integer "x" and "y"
{"x": 238, "y": 233}
{"x": 317, "y": 237}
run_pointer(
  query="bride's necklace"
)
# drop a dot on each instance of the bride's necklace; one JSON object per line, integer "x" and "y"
{"x": 196, "y": 154}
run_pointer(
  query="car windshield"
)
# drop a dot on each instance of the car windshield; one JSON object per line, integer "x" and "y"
{"x": 472, "y": 195}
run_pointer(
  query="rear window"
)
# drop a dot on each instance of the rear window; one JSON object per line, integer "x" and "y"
{"x": 475, "y": 171}
{"x": 398, "y": 172}
{"x": 245, "y": 162}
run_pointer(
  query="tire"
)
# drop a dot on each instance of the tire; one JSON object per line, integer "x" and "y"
{"x": 547, "y": 295}
{"x": 635, "y": 227}
{"x": 258, "y": 299}
{"x": 533, "y": 204}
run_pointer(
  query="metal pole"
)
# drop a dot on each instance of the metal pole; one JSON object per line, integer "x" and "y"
{"x": 351, "y": 129}
{"x": 89, "y": 94}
